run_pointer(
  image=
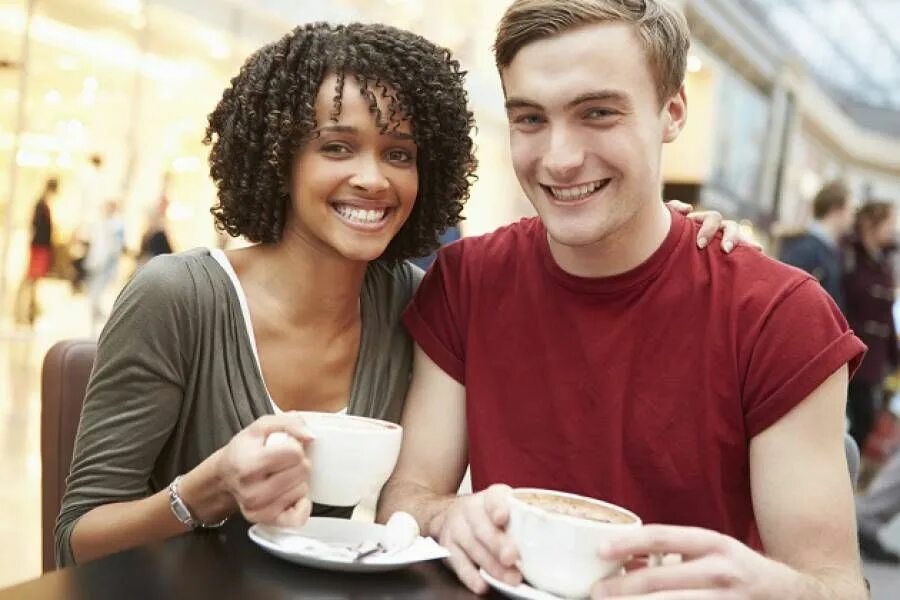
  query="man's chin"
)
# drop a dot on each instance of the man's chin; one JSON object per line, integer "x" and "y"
{"x": 575, "y": 237}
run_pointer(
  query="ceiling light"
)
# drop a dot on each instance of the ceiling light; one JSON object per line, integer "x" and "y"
{"x": 694, "y": 64}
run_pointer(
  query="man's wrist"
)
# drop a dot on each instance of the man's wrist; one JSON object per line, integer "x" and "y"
{"x": 437, "y": 514}
{"x": 826, "y": 585}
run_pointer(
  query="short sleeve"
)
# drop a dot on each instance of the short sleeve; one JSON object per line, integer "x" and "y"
{"x": 134, "y": 396}
{"x": 800, "y": 341}
{"x": 436, "y": 317}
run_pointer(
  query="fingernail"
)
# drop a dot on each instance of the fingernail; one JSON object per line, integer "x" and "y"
{"x": 727, "y": 247}
{"x": 702, "y": 242}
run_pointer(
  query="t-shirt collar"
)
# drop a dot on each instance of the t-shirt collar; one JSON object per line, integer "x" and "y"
{"x": 615, "y": 283}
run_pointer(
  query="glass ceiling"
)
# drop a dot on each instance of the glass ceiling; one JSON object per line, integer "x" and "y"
{"x": 853, "y": 46}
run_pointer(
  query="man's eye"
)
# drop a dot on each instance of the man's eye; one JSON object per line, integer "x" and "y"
{"x": 600, "y": 113}
{"x": 528, "y": 120}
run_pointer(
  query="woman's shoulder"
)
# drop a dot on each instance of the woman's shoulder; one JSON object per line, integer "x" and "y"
{"x": 177, "y": 274}
{"x": 393, "y": 282}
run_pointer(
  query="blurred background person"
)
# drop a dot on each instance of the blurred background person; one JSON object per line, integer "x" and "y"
{"x": 106, "y": 244}
{"x": 817, "y": 250}
{"x": 869, "y": 289}
{"x": 155, "y": 240}
{"x": 93, "y": 190}
{"x": 40, "y": 255}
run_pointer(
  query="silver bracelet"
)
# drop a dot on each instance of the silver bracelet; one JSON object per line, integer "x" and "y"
{"x": 183, "y": 513}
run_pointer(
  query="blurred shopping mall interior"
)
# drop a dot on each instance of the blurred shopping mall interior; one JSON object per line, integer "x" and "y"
{"x": 784, "y": 95}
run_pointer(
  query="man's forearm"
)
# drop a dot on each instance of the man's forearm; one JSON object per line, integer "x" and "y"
{"x": 832, "y": 584}
{"x": 426, "y": 506}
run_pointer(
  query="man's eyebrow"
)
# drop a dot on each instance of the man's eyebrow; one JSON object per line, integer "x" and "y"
{"x": 514, "y": 102}
{"x": 615, "y": 95}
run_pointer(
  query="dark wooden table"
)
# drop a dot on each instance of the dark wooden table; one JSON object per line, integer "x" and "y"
{"x": 227, "y": 564}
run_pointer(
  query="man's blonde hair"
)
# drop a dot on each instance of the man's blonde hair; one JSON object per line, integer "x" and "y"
{"x": 661, "y": 28}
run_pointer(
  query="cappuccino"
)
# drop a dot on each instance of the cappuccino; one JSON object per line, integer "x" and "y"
{"x": 575, "y": 507}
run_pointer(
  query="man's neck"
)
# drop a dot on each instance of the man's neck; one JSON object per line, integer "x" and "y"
{"x": 621, "y": 250}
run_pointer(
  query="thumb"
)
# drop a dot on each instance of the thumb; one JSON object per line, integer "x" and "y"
{"x": 496, "y": 503}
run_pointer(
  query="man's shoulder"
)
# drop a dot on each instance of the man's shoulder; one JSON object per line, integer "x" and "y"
{"x": 746, "y": 275}
{"x": 755, "y": 284}
{"x": 498, "y": 246}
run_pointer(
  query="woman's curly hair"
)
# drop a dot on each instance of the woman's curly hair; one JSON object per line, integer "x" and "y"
{"x": 269, "y": 111}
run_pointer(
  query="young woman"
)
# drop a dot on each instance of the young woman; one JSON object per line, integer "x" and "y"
{"x": 869, "y": 292}
{"x": 340, "y": 151}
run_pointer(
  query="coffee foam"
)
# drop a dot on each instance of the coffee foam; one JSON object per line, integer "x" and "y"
{"x": 575, "y": 507}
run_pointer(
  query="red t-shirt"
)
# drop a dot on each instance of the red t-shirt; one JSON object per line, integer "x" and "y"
{"x": 643, "y": 389}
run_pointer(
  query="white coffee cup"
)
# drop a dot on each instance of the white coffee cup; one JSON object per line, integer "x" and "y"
{"x": 558, "y": 544}
{"x": 351, "y": 457}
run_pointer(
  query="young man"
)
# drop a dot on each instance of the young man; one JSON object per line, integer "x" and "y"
{"x": 817, "y": 250}
{"x": 595, "y": 350}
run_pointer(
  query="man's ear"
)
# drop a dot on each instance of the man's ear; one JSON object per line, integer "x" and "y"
{"x": 675, "y": 115}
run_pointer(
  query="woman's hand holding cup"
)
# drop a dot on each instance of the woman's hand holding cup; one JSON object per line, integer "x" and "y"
{"x": 269, "y": 481}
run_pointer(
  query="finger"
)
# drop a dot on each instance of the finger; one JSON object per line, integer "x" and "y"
{"x": 496, "y": 503}
{"x": 269, "y": 513}
{"x": 289, "y": 423}
{"x": 266, "y": 492}
{"x": 690, "y": 542}
{"x": 296, "y": 515}
{"x": 482, "y": 555}
{"x": 731, "y": 236}
{"x": 679, "y": 206}
{"x": 709, "y": 226}
{"x": 678, "y": 595}
{"x": 707, "y": 573}
{"x": 465, "y": 570}
{"x": 486, "y": 519}
{"x": 266, "y": 461}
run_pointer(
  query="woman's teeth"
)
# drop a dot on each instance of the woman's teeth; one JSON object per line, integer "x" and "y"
{"x": 360, "y": 215}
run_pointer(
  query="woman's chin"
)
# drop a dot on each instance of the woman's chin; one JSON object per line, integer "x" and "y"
{"x": 362, "y": 252}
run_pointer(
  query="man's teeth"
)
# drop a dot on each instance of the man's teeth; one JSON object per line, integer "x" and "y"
{"x": 576, "y": 192}
{"x": 360, "y": 215}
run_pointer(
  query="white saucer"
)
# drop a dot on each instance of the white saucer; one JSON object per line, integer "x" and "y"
{"x": 522, "y": 591}
{"x": 319, "y": 544}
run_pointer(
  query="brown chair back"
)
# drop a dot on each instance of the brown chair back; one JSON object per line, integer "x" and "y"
{"x": 64, "y": 378}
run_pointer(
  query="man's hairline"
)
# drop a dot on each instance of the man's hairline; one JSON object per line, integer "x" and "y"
{"x": 634, "y": 28}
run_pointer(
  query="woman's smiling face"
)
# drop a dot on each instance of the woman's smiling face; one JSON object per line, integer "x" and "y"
{"x": 352, "y": 185}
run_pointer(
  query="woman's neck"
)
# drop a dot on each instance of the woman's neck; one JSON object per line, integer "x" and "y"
{"x": 299, "y": 284}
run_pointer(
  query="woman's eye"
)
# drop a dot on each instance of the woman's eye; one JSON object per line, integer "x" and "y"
{"x": 399, "y": 156}
{"x": 335, "y": 149}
